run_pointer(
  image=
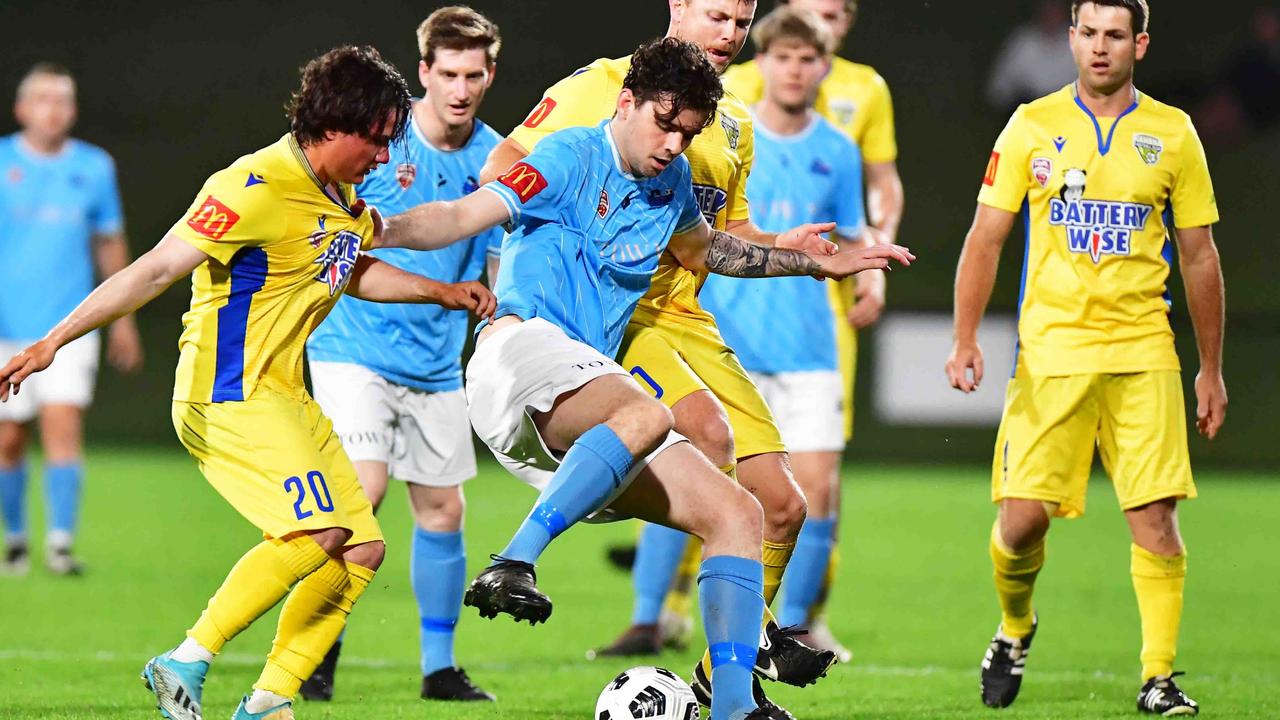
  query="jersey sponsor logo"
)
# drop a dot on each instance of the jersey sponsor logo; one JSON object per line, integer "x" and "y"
{"x": 524, "y": 180}
{"x": 405, "y": 174}
{"x": 989, "y": 177}
{"x": 213, "y": 219}
{"x": 1041, "y": 169}
{"x": 1149, "y": 148}
{"x": 540, "y": 113}
{"x": 842, "y": 110}
{"x": 338, "y": 260}
{"x": 711, "y": 200}
{"x": 732, "y": 130}
{"x": 602, "y": 207}
{"x": 1096, "y": 227}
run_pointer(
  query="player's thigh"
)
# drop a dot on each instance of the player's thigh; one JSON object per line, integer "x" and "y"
{"x": 841, "y": 296}
{"x": 806, "y": 407}
{"x": 1044, "y": 447}
{"x": 432, "y": 439}
{"x": 360, "y": 404}
{"x": 637, "y": 419}
{"x": 1143, "y": 437}
{"x": 680, "y": 488}
{"x": 700, "y": 417}
{"x": 650, "y": 355}
{"x": 754, "y": 429}
{"x": 277, "y": 462}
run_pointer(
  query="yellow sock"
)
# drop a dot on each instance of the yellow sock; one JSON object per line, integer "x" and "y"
{"x": 1158, "y": 581}
{"x": 310, "y": 622}
{"x": 775, "y": 557}
{"x": 1015, "y": 578}
{"x": 255, "y": 584}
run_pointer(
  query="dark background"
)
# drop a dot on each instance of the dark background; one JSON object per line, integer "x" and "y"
{"x": 175, "y": 93}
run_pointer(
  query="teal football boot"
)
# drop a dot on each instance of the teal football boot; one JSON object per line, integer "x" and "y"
{"x": 177, "y": 686}
{"x": 283, "y": 711}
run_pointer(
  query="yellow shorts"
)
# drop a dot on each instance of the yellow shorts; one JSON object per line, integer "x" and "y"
{"x": 279, "y": 464}
{"x": 1045, "y": 446}
{"x": 841, "y": 294}
{"x": 673, "y": 359}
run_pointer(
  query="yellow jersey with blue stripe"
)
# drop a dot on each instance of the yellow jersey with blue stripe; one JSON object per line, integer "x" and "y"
{"x": 1098, "y": 196}
{"x": 281, "y": 250}
{"x": 852, "y": 96}
{"x": 720, "y": 158}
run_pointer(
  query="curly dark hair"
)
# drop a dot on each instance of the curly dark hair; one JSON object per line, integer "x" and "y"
{"x": 348, "y": 90}
{"x": 677, "y": 72}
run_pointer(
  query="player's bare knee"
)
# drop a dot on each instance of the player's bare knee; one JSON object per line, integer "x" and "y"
{"x": 331, "y": 540}
{"x": 1154, "y": 527}
{"x": 13, "y": 445}
{"x": 369, "y": 555}
{"x": 713, "y": 435}
{"x": 438, "y": 510}
{"x": 1023, "y": 523}
{"x": 784, "y": 514}
{"x": 740, "y": 515}
{"x": 642, "y": 424}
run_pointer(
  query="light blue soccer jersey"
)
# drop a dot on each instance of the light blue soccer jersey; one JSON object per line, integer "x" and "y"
{"x": 418, "y": 346}
{"x": 787, "y": 324}
{"x": 50, "y": 209}
{"x": 587, "y": 236}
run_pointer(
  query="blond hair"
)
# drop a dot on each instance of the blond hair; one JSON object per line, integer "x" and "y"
{"x": 458, "y": 27}
{"x": 789, "y": 23}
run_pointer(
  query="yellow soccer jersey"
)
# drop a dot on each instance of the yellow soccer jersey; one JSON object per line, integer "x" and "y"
{"x": 281, "y": 252}
{"x": 853, "y": 97}
{"x": 720, "y": 157}
{"x": 1097, "y": 195}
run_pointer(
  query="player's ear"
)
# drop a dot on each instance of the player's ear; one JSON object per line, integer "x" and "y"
{"x": 493, "y": 72}
{"x": 626, "y": 103}
{"x": 424, "y": 70}
{"x": 1141, "y": 41}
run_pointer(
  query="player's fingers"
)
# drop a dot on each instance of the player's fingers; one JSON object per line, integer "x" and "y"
{"x": 976, "y": 363}
{"x": 820, "y": 228}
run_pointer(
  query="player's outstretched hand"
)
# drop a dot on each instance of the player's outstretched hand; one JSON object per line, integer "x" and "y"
{"x": 1211, "y": 403}
{"x": 849, "y": 262}
{"x": 965, "y": 357}
{"x": 808, "y": 238}
{"x": 23, "y": 365}
{"x": 473, "y": 296}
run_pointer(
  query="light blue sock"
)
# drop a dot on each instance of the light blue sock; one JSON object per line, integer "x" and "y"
{"x": 13, "y": 500}
{"x": 593, "y": 468}
{"x": 730, "y": 591}
{"x": 438, "y": 570}
{"x": 62, "y": 496}
{"x": 806, "y": 570}
{"x": 657, "y": 558}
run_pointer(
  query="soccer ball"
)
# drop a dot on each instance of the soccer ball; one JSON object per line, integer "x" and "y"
{"x": 647, "y": 693}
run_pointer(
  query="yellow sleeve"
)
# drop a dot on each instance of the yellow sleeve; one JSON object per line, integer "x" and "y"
{"x": 879, "y": 143}
{"x": 745, "y": 81}
{"x": 1194, "y": 204}
{"x": 227, "y": 216}
{"x": 736, "y": 208}
{"x": 581, "y": 100}
{"x": 1004, "y": 183}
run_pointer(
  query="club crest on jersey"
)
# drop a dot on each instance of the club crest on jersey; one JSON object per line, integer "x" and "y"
{"x": 1149, "y": 148}
{"x": 405, "y": 173}
{"x": 1041, "y": 170}
{"x": 338, "y": 260}
{"x": 732, "y": 130}
{"x": 1095, "y": 227}
{"x": 602, "y": 207}
{"x": 842, "y": 110}
{"x": 711, "y": 200}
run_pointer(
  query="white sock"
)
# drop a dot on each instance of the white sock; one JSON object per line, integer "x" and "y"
{"x": 264, "y": 700}
{"x": 191, "y": 651}
{"x": 58, "y": 540}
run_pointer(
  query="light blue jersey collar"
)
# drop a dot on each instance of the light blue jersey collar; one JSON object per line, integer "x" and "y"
{"x": 762, "y": 129}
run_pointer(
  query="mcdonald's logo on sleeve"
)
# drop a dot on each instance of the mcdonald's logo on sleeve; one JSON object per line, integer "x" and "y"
{"x": 525, "y": 180}
{"x": 540, "y": 113}
{"x": 213, "y": 219}
{"x": 989, "y": 177}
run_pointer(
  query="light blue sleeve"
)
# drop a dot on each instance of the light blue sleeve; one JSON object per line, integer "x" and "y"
{"x": 105, "y": 213}
{"x": 847, "y": 206}
{"x": 539, "y": 186}
{"x": 493, "y": 241}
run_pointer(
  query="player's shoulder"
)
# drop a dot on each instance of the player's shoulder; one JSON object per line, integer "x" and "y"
{"x": 484, "y": 136}
{"x": 86, "y": 153}
{"x": 1175, "y": 118}
{"x": 734, "y": 106}
{"x": 849, "y": 73}
{"x": 574, "y": 145}
{"x": 256, "y": 177}
{"x": 742, "y": 76}
{"x": 604, "y": 70}
{"x": 827, "y": 136}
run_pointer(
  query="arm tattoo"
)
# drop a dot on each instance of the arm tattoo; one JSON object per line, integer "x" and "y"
{"x": 733, "y": 256}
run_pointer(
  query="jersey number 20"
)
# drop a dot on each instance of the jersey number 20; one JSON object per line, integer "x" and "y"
{"x": 319, "y": 494}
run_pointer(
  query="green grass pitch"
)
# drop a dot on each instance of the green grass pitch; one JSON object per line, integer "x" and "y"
{"x": 914, "y": 601}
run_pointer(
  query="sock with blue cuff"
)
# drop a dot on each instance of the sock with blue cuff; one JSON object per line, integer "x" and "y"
{"x": 806, "y": 570}
{"x": 13, "y": 501}
{"x": 438, "y": 569}
{"x": 658, "y": 556}
{"x": 731, "y": 593}
{"x": 62, "y": 494}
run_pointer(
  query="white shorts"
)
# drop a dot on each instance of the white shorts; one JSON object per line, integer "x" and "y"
{"x": 423, "y": 437}
{"x": 520, "y": 370}
{"x": 808, "y": 407}
{"x": 68, "y": 381}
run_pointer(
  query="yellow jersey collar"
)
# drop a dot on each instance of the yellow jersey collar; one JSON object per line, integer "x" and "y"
{"x": 305, "y": 164}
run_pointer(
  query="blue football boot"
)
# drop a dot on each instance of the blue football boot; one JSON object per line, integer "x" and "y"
{"x": 283, "y": 711}
{"x": 177, "y": 686}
